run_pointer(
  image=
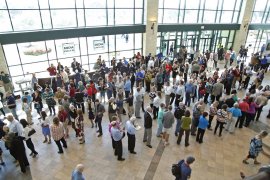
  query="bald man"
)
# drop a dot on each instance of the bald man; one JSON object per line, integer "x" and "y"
{"x": 77, "y": 173}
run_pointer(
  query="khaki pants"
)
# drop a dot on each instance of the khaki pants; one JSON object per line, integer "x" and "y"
{"x": 130, "y": 110}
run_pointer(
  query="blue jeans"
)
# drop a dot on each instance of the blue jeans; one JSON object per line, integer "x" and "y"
{"x": 178, "y": 125}
{"x": 13, "y": 112}
{"x": 159, "y": 130}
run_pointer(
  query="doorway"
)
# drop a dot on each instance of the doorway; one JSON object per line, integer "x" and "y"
{"x": 168, "y": 47}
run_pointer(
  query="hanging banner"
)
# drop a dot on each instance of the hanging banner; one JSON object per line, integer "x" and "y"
{"x": 68, "y": 48}
{"x": 98, "y": 44}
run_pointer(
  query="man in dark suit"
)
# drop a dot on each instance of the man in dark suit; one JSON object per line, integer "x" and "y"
{"x": 148, "y": 126}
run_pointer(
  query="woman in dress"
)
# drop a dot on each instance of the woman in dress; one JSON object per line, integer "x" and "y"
{"x": 255, "y": 147}
{"x": 79, "y": 125}
{"x": 45, "y": 124}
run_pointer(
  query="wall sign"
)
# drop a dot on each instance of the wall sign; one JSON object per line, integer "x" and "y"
{"x": 68, "y": 48}
{"x": 98, "y": 44}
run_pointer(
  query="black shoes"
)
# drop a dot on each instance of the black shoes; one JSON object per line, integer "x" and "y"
{"x": 133, "y": 152}
{"x": 60, "y": 152}
{"x": 149, "y": 146}
{"x": 99, "y": 135}
{"x": 121, "y": 159}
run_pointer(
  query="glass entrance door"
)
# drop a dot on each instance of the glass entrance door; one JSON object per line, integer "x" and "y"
{"x": 204, "y": 44}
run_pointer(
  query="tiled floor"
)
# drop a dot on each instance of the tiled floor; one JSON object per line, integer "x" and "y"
{"x": 216, "y": 159}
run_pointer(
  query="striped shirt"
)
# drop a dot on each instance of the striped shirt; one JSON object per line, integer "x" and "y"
{"x": 57, "y": 131}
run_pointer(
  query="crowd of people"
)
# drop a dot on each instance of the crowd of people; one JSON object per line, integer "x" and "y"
{"x": 170, "y": 87}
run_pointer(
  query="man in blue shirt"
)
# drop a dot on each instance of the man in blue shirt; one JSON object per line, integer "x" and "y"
{"x": 117, "y": 136}
{"x": 127, "y": 86}
{"x": 131, "y": 134}
{"x": 139, "y": 77}
{"x": 203, "y": 124}
{"x": 77, "y": 173}
{"x": 189, "y": 88}
{"x": 185, "y": 169}
{"x": 11, "y": 104}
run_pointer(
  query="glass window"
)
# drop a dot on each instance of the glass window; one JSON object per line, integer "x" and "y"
{"x": 35, "y": 67}
{"x": 80, "y": 17}
{"x": 67, "y": 47}
{"x": 257, "y": 17}
{"x": 97, "y": 44}
{"x": 126, "y": 54}
{"x": 110, "y": 17}
{"x": 124, "y": 4}
{"x": 260, "y": 5}
{"x": 124, "y": 42}
{"x": 139, "y": 3}
{"x": 209, "y": 16}
{"x": 11, "y": 54}
{"x": 111, "y": 43}
{"x": 64, "y": 18}
{"x": 79, "y": 3}
{"x": 226, "y": 17}
{"x": 29, "y": 4}
{"x": 60, "y": 4}
{"x": 123, "y": 16}
{"x": 68, "y": 61}
{"x": 95, "y": 4}
{"x": 42, "y": 74}
{"x": 160, "y": 3}
{"x": 138, "y": 40}
{"x": 171, "y": 4}
{"x": 235, "y": 17}
{"x": 237, "y": 6}
{"x": 93, "y": 59}
{"x": 210, "y": 4}
{"x": 44, "y": 4}
{"x": 3, "y": 4}
{"x": 51, "y": 49}
{"x": 191, "y": 16}
{"x": 46, "y": 19}
{"x": 225, "y": 33}
{"x": 16, "y": 70}
{"x": 84, "y": 60}
{"x": 83, "y": 46}
{"x": 231, "y": 36}
{"x": 110, "y": 3}
{"x": 160, "y": 16}
{"x": 138, "y": 16}
{"x": 32, "y": 52}
{"x": 5, "y": 21}
{"x": 25, "y": 19}
{"x": 228, "y": 5}
{"x": 192, "y": 4}
{"x": 85, "y": 67}
{"x": 170, "y": 16}
{"x": 95, "y": 17}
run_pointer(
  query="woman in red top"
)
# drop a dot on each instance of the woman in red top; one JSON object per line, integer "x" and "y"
{"x": 94, "y": 90}
{"x": 62, "y": 115}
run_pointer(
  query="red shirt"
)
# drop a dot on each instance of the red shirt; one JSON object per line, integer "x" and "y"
{"x": 236, "y": 72}
{"x": 52, "y": 71}
{"x": 72, "y": 91}
{"x": 62, "y": 115}
{"x": 89, "y": 91}
{"x": 244, "y": 106}
{"x": 168, "y": 67}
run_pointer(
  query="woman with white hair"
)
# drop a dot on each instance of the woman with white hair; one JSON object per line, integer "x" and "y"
{"x": 131, "y": 131}
{"x": 235, "y": 114}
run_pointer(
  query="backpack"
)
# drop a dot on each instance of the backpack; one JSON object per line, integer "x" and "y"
{"x": 176, "y": 169}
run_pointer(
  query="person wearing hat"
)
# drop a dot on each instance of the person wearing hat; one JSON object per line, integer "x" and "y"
{"x": 118, "y": 135}
{"x": 131, "y": 134}
{"x": 184, "y": 166}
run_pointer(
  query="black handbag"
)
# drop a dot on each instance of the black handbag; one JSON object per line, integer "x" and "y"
{"x": 31, "y": 132}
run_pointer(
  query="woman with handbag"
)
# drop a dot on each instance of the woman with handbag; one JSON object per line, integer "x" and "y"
{"x": 62, "y": 115}
{"x": 49, "y": 97}
{"x": 28, "y": 132}
{"x": 222, "y": 117}
{"x": 37, "y": 101}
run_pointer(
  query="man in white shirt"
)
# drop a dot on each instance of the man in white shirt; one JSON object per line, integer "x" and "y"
{"x": 150, "y": 64}
{"x": 15, "y": 126}
{"x": 167, "y": 91}
{"x": 131, "y": 134}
